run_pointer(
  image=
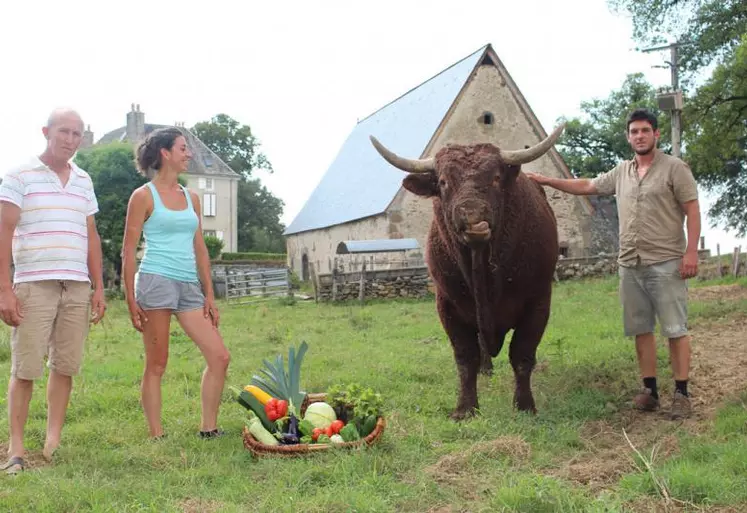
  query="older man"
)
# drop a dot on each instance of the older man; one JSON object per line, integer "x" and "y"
{"x": 655, "y": 193}
{"x": 47, "y": 208}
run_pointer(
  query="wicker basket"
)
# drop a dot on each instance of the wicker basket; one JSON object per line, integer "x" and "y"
{"x": 260, "y": 449}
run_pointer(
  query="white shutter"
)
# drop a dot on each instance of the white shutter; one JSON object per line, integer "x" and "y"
{"x": 202, "y": 183}
{"x": 219, "y": 234}
{"x": 209, "y": 205}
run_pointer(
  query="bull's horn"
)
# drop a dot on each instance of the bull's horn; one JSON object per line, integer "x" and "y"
{"x": 409, "y": 165}
{"x": 519, "y": 157}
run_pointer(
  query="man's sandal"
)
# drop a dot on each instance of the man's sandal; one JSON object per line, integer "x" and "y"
{"x": 14, "y": 465}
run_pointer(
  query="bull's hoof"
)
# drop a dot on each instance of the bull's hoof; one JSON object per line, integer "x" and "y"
{"x": 463, "y": 414}
{"x": 525, "y": 403}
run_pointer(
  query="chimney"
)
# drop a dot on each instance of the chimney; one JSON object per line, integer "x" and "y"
{"x": 135, "y": 124}
{"x": 87, "y": 140}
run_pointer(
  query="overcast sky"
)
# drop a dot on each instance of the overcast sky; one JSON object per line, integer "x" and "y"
{"x": 299, "y": 73}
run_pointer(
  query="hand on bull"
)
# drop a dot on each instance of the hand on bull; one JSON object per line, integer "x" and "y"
{"x": 540, "y": 179}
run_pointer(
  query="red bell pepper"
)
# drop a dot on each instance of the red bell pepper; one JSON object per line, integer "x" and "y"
{"x": 276, "y": 409}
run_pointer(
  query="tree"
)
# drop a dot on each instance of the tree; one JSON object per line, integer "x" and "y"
{"x": 712, "y": 32}
{"x": 594, "y": 145}
{"x": 717, "y": 139}
{"x": 259, "y": 211}
{"x": 233, "y": 143}
{"x": 114, "y": 176}
{"x": 711, "y": 29}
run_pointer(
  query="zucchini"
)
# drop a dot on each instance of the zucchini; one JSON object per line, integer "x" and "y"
{"x": 251, "y": 403}
{"x": 260, "y": 394}
{"x": 259, "y": 432}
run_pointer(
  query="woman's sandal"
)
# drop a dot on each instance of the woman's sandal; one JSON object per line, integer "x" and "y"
{"x": 215, "y": 433}
{"x": 14, "y": 465}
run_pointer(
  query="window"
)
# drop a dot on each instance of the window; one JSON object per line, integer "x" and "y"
{"x": 219, "y": 234}
{"x": 563, "y": 250}
{"x": 209, "y": 205}
{"x": 205, "y": 184}
{"x": 486, "y": 118}
{"x": 209, "y": 233}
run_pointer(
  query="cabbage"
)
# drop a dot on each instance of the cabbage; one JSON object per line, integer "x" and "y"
{"x": 320, "y": 414}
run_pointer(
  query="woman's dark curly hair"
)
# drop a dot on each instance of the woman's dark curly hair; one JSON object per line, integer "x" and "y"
{"x": 148, "y": 152}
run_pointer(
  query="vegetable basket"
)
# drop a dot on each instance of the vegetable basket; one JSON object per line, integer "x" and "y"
{"x": 260, "y": 449}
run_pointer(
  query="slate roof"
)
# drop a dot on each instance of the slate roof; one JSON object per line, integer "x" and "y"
{"x": 204, "y": 161}
{"x": 359, "y": 183}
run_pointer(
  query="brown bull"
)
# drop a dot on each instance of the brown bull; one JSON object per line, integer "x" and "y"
{"x": 492, "y": 251}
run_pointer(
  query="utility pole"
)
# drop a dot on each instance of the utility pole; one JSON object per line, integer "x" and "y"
{"x": 672, "y": 100}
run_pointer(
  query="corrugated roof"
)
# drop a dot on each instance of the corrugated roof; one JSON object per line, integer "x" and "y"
{"x": 359, "y": 183}
{"x": 376, "y": 246}
{"x": 204, "y": 160}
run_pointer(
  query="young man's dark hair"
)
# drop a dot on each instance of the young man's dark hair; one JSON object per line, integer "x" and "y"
{"x": 642, "y": 114}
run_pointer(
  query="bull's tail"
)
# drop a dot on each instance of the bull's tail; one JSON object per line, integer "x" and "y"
{"x": 481, "y": 291}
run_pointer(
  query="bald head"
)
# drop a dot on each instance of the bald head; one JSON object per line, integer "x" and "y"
{"x": 62, "y": 114}
{"x": 63, "y": 133}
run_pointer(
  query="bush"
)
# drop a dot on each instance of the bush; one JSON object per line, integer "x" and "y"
{"x": 214, "y": 246}
{"x": 280, "y": 257}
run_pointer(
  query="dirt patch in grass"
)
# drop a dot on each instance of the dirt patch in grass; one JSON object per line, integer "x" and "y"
{"x": 661, "y": 506}
{"x": 453, "y": 467}
{"x": 200, "y": 506}
{"x": 734, "y": 291}
{"x": 719, "y": 357}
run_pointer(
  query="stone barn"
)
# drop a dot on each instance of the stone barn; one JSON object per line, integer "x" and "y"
{"x": 361, "y": 196}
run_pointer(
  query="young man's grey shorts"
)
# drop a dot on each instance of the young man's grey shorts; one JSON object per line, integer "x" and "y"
{"x": 156, "y": 292}
{"x": 648, "y": 292}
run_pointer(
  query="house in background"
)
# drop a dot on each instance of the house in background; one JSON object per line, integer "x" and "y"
{"x": 208, "y": 176}
{"x": 475, "y": 100}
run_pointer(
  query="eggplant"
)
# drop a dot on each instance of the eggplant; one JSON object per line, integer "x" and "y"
{"x": 292, "y": 436}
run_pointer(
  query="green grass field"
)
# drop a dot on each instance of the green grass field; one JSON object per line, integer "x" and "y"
{"x": 572, "y": 456}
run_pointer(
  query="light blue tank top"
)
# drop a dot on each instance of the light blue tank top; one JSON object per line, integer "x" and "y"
{"x": 169, "y": 240}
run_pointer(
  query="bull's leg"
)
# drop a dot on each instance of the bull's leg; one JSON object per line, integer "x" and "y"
{"x": 463, "y": 339}
{"x": 523, "y": 353}
{"x": 486, "y": 363}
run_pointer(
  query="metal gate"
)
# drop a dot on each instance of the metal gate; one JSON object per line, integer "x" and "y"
{"x": 257, "y": 285}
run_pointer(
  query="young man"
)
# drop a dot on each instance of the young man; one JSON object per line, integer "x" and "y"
{"x": 655, "y": 192}
{"x": 46, "y": 215}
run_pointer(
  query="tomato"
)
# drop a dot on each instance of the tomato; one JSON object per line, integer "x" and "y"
{"x": 336, "y": 426}
{"x": 276, "y": 409}
{"x": 315, "y": 433}
{"x": 282, "y": 407}
{"x": 329, "y": 431}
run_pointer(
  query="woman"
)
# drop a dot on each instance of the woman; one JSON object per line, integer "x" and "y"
{"x": 174, "y": 265}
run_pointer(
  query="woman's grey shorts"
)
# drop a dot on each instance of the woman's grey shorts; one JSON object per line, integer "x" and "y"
{"x": 155, "y": 292}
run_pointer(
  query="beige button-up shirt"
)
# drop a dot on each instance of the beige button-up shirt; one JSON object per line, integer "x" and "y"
{"x": 650, "y": 208}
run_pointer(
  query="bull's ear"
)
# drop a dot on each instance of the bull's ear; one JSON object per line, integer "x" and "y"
{"x": 422, "y": 184}
{"x": 509, "y": 174}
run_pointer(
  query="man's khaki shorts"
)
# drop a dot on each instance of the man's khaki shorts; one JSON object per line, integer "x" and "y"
{"x": 648, "y": 292}
{"x": 56, "y": 316}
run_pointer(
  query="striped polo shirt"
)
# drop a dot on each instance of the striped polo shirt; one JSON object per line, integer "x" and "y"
{"x": 51, "y": 238}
